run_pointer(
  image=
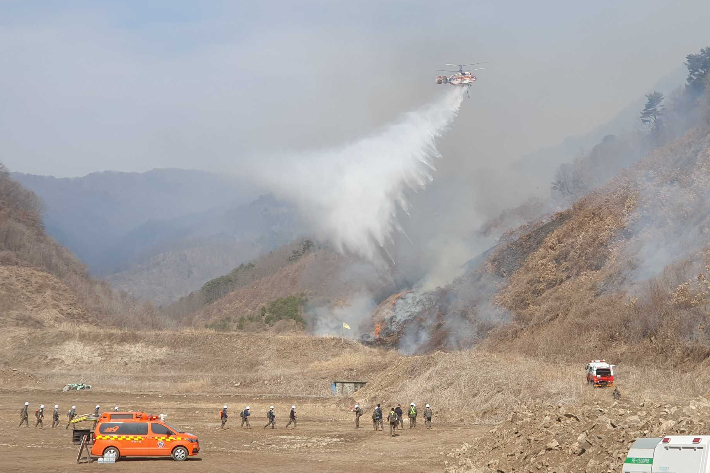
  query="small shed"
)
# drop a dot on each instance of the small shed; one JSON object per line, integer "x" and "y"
{"x": 346, "y": 388}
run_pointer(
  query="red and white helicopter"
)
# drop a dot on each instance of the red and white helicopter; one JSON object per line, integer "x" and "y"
{"x": 460, "y": 77}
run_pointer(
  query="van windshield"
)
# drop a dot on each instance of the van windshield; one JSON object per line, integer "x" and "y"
{"x": 603, "y": 372}
{"x": 174, "y": 429}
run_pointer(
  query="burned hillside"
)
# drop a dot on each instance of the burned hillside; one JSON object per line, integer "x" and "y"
{"x": 623, "y": 271}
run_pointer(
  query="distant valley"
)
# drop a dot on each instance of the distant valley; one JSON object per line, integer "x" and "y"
{"x": 161, "y": 234}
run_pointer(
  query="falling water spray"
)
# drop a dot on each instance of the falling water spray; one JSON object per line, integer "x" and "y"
{"x": 351, "y": 194}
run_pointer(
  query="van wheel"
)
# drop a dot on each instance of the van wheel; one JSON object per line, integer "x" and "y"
{"x": 180, "y": 454}
{"x": 112, "y": 451}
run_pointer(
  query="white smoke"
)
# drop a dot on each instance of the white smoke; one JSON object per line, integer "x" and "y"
{"x": 350, "y": 195}
{"x": 355, "y": 313}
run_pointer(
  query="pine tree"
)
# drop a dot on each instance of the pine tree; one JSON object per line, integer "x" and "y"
{"x": 651, "y": 113}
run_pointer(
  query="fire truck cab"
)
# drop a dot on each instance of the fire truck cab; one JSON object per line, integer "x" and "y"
{"x": 600, "y": 373}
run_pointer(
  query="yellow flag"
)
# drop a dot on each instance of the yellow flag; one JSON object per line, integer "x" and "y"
{"x": 346, "y": 326}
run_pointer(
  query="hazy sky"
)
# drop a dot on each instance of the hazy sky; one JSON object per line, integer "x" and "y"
{"x": 133, "y": 85}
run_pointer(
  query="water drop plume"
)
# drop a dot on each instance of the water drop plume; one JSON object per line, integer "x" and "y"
{"x": 350, "y": 194}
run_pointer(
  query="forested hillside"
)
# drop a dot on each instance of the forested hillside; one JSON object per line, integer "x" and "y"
{"x": 44, "y": 284}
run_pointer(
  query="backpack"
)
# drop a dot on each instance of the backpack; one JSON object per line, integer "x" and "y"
{"x": 37, "y": 413}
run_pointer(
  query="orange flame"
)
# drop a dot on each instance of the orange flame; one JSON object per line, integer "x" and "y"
{"x": 394, "y": 302}
{"x": 378, "y": 329}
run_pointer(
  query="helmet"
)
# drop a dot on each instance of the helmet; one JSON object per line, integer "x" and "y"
{"x": 27, "y": 404}
{"x": 73, "y": 407}
{"x": 411, "y": 404}
{"x": 97, "y": 405}
{"x": 357, "y": 405}
{"x": 427, "y": 405}
{"x": 115, "y": 408}
{"x": 293, "y": 407}
{"x": 271, "y": 407}
{"x": 247, "y": 408}
{"x": 56, "y": 406}
{"x": 225, "y": 406}
{"x": 41, "y": 406}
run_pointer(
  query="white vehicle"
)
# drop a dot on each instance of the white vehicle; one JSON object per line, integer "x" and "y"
{"x": 673, "y": 454}
{"x": 600, "y": 373}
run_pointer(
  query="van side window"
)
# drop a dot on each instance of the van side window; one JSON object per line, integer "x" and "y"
{"x": 160, "y": 429}
{"x": 134, "y": 428}
{"x": 110, "y": 428}
{"x": 119, "y": 428}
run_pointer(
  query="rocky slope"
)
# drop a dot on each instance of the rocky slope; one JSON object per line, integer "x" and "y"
{"x": 584, "y": 438}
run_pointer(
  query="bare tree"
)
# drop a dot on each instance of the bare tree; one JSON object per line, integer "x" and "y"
{"x": 564, "y": 179}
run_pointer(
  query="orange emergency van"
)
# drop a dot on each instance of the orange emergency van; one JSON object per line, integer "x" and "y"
{"x": 136, "y": 434}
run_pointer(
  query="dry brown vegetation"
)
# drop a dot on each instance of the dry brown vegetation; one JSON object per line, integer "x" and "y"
{"x": 593, "y": 284}
{"x": 466, "y": 386}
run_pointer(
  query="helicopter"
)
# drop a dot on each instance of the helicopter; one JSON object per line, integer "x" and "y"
{"x": 460, "y": 77}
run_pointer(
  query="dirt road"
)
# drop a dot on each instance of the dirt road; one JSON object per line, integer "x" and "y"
{"x": 325, "y": 439}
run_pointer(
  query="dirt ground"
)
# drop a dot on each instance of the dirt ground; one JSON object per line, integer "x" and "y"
{"x": 325, "y": 440}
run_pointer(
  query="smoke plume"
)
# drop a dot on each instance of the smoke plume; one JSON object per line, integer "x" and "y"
{"x": 350, "y": 195}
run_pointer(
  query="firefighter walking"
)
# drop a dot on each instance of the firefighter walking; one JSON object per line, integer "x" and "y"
{"x": 271, "y": 418}
{"x": 223, "y": 415}
{"x": 40, "y": 417}
{"x": 245, "y": 417}
{"x": 70, "y": 416}
{"x": 377, "y": 417}
{"x": 392, "y": 419}
{"x": 96, "y": 415}
{"x": 427, "y": 416}
{"x": 400, "y": 416}
{"x": 412, "y": 415}
{"x": 24, "y": 418}
{"x": 55, "y": 416}
{"x": 358, "y": 414}
{"x": 292, "y": 417}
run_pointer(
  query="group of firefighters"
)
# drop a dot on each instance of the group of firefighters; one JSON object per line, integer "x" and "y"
{"x": 395, "y": 417}
{"x": 39, "y": 415}
{"x": 270, "y": 417}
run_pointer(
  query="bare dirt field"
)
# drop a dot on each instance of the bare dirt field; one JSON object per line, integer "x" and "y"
{"x": 325, "y": 439}
{"x": 492, "y": 411}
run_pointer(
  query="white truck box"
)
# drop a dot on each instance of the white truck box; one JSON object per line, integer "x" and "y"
{"x": 682, "y": 454}
{"x": 671, "y": 454}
